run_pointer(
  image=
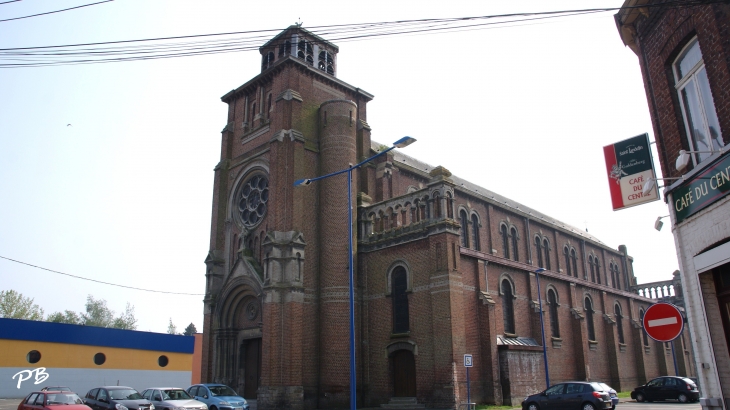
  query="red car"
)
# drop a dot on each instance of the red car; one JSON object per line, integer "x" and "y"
{"x": 51, "y": 400}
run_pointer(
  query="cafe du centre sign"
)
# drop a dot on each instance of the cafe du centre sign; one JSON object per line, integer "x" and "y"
{"x": 629, "y": 166}
{"x": 702, "y": 190}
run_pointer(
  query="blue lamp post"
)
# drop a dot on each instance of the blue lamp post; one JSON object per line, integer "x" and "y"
{"x": 403, "y": 142}
{"x": 542, "y": 327}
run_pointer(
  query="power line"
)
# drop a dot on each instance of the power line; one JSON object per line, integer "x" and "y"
{"x": 99, "y": 281}
{"x": 11, "y": 1}
{"x": 52, "y": 12}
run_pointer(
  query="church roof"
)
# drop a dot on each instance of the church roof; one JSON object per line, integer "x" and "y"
{"x": 488, "y": 195}
{"x": 296, "y": 28}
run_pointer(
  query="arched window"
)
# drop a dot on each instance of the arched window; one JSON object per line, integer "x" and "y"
{"x": 538, "y": 252}
{"x": 619, "y": 323}
{"x": 449, "y": 212}
{"x": 267, "y": 60}
{"x": 505, "y": 241}
{"x": 574, "y": 258}
{"x": 546, "y": 248}
{"x": 615, "y": 276}
{"x": 284, "y": 48}
{"x": 643, "y": 331}
{"x": 590, "y": 265}
{"x": 567, "y": 261}
{"x": 475, "y": 232}
{"x": 253, "y": 114}
{"x": 464, "y": 228}
{"x": 326, "y": 62}
{"x": 508, "y": 311}
{"x": 589, "y": 319}
{"x": 400, "y": 300}
{"x": 553, "y": 309}
{"x": 436, "y": 205}
{"x": 269, "y": 105}
{"x": 515, "y": 252}
{"x": 598, "y": 269}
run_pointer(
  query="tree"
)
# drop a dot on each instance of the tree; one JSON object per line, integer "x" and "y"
{"x": 14, "y": 305}
{"x": 171, "y": 328}
{"x": 67, "y": 316}
{"x": 190, "y": 330}
{"x": 97, "y": 313}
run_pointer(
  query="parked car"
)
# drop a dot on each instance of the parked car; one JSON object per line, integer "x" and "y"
{"x": 52, "y": 400}
{"x": 172, "y": 398}
{"x": 681, "y": 389}
{"x": 218, "y": 396}
{"x": 570, "y": 395}
{"x": 611, "y": 392}
{"x": 116, "y": 398}
{"x": 56, "y": 388}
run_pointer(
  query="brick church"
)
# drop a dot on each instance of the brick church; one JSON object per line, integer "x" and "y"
{"x": 443, "y": 267}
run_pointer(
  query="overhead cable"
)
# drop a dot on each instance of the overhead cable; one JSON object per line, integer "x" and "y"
{"x": 99, "y": 281}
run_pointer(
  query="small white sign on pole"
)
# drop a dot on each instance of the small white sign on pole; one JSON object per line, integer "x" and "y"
{"x": 468, "y": 361}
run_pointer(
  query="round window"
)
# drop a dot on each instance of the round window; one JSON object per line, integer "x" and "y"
{"x": 33, "y": 356}
{"x": 162, "y": 361}
{"x": 252, "y": 199}
{"x": 99, "y": 359}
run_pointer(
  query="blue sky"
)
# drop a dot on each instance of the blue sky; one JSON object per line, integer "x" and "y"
{"x": 124, "y": 193}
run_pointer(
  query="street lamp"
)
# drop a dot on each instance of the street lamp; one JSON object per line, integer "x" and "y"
{"x": 401, "y": 143}
{"x": 542, "y": 327}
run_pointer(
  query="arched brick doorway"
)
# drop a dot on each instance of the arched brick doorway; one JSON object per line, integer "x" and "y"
{"x": 404, "y": 374}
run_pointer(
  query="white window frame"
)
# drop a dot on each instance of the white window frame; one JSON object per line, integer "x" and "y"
{"x": 692, "y": 79}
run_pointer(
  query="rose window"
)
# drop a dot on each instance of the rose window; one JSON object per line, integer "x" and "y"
{"x": 252, "y": 200}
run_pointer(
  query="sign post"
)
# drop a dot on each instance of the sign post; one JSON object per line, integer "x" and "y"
{"x": 663, "y": 322}
{"x": 468, "y": 362}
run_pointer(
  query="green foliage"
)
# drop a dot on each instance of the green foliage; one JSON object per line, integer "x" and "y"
{"x": 190, "y": 330}
{"x": 14, "y": 305}
{"x": 97, "y": 314}
{"x": 67, "y": 316}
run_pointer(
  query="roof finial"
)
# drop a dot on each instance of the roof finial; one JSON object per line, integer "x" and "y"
{"x": 299, "y": 23}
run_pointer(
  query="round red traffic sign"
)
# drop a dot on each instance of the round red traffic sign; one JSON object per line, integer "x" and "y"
{"x": 663, "y": 322}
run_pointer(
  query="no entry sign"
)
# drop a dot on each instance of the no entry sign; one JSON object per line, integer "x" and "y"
{"x": 663, "y": 322}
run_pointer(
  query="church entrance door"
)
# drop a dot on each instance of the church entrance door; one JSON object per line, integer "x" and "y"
{"x": 251, "y": 355}
{"x": 404, "y": 374}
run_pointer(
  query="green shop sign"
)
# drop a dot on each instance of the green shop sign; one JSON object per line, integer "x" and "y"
{"x": 704, "y": 189}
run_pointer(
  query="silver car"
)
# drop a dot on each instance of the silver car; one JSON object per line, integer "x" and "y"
{"x": 172, "y": 398}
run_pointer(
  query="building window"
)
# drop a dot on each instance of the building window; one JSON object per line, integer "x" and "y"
{"x": 589, "y": 319}
{"x": 574, "y": 258}
{"x": 475, "y": 232}
{"x": 553, "y": 309}
{"x": 505, "y": 240}
{"x": 643, "y": 331}
{"x": 597, "y": 264}
{"x": 284, "y": 48}
{"x": 304, "y": 51}
{"x": 566, "y": 252}
{"x": 698, "y": 108}
{"x": 546, "y": 248}
{"x": 252, "y": 201}
{"x": 615, "y": 276}
{"x": 593, "y": 271}
{"x": 515, "y": 252}
{"x": 619, "y": 323}
{"x": 538, "y": 252}
{"x": 464, "y": 228}
{"x": 400, "y": 300}
{"x": 508, "y": 311}
{"x": 326, "y": 62}
{"x": 267, "y": 60}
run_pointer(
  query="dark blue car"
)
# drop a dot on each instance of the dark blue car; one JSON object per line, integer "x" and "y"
{"x": 570, "y": 396}
{"x": 218, "y": 396}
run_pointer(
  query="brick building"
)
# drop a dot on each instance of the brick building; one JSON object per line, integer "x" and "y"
{"x": 443, "y": 267}
{"x": 684, "y": 56}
